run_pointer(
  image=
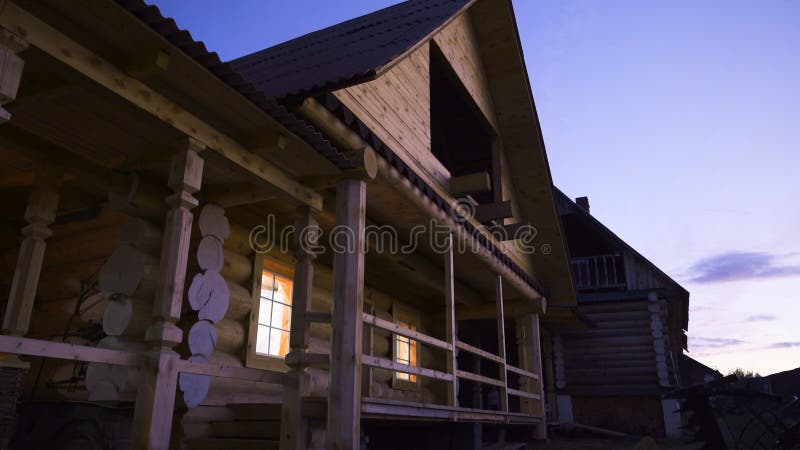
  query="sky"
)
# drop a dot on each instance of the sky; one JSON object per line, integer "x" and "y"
{"x": 681, "y": 122}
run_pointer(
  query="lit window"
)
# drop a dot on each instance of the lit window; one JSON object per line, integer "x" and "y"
{"x": 405, "y": 352}
{"x": 274, "y": 315}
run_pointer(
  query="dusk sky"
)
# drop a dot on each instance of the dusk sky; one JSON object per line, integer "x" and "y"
{"x": 681, "y": 122}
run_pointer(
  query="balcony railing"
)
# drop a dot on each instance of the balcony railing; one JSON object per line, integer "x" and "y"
{"x": 599, "y": 271}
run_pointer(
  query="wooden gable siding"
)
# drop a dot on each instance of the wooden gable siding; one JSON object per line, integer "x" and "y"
{"x": 459, "y": 45}
{"x": 397, "y": 108}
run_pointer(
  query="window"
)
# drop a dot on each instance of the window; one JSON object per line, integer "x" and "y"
{"x": 274, "y": 315}
{"x": 406, "y": 350}
{"x": 461, "y": 137}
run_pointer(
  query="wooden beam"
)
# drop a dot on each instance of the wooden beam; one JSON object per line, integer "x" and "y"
{"x": 40, "y": 213}
{"x": 236, "y": 194}
{"x": 148, "y": 63}
{"x": 477, "y": 351}
{"x": 513, "y": 308}
{"x": 501, "y": 341}
{"x": 344, "y": 398}
{"x": 450, "y": 326}
{"x": 493, "y": 211}
{"x": 524, "y": 394}
{"x": 474, "y": 183}
{"x": 48, "y": 349}
{"x": 74, "y": 55}
{"x": 155, "y": 399}
{"x": 354, "y": 148}
{"x": 522, "y": 372}
{"x": 235, "y": 372}
{"x": 383, "y": 363}
{"x": 396, "y": 329}
{"x": 480, "y": 378}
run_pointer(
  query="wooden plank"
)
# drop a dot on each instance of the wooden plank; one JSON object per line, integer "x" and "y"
{"x": 451, "y": 332}
{"x": 69, "y": 52}
{"x": 524, "y": 373}
{"x": 223, "y": 371}
{"x": 396, "y": 329}
{"x": 493, "y": 211}
{"x": 501, "y": 341}
{"x": 523, "y": 394}
{"x": 344, "y": 398}
{"x": 480, "y": 378}
{"x": 59, "y": 350}
{"x": 477, "y": 351}
{"x": 383, "y": 363}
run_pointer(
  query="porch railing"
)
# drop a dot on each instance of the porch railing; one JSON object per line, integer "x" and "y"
{"x": 599, "y": 271}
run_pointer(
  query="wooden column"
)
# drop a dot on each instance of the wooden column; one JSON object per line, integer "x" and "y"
{"x": 155, "y": 398}
{"x": 344, "y": 398}
{"x": 451, "y": 332}
{"x": 294, "y": 428}
{"x": 530, "y": 357}
{"x": 501, "y": 341}
{"x": 40, "y": 213}
{"x": 11, "y": 67}
{"x": 548, "y": 374}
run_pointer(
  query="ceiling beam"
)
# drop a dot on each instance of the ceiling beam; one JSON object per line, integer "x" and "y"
{"x": 74, "y": 55}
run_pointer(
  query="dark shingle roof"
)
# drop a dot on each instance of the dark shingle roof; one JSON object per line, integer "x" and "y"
{"x": 345, "y": 53}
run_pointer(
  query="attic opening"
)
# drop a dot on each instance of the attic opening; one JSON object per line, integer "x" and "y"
{"x": 461, "y": 137}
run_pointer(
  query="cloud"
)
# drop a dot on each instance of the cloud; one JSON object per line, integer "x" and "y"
{"x": 761, "y": 318}
{"x": 733, "y": 266}
{"x": 785, "y": 344}
{"x": 715, "y": 343}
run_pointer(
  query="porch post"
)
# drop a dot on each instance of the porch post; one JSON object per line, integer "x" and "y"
{"x": 294, "y": 427}
{"x": 11, "y": 67}
{"x": 530, "y": 357}
{"x": 155, "y": 399}
{"x": 501, "y": 341}
{"x": 344, "y": 398}
{"x": 451, "y": 332}
{"x": 40, "y": 213}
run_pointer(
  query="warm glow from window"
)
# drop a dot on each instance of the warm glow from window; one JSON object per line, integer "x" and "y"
{"x": 274, "y": 315}
{"x": 405, "y": 352}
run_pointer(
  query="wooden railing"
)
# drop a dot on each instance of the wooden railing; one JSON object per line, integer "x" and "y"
{"x": 599, "y": 272}
{"x": 449, "y": 376}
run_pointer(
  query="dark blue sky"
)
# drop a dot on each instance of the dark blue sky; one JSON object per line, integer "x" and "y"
{"x": 681, "y": 121}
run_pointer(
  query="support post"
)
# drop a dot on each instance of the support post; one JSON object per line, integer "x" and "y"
{"x": 530, "y": 357}
{"x": 501, "y": 341}
{"x": 40, "y": 213}
{"x": 294, "y": 427}
{"x": 451, "y": 333}
{"x": 344, "y": 398}
{"x": 155, "y": 399}
{"x": 11, "y": 67}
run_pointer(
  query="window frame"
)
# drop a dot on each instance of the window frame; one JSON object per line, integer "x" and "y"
{"x": 253, "y": 359}
{"x": 401, "y": 313}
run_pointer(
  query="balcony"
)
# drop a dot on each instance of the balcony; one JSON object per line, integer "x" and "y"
{"x": 599, "y": 272}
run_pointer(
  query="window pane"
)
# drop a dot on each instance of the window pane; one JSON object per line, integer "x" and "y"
{"x": 278, "y": 342}
{"x": 402, "y": 355}
{"x": 267, "y": 285}
{"x": 281, "y": 316}
{"x": 402, "y": 376}
{"x": 264, "y": 311}
{"x": 262, "y": 340}
{"x": 283, "y": 290}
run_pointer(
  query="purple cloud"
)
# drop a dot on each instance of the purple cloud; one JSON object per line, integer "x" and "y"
{"x": 706, "y": 343}
{"x": 735, "y": 266}
{"x": 785, "y": 344}
{"x": 761, "y": 318}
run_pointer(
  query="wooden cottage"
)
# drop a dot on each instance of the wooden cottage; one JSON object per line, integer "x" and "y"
{"x": 200, "y": 254}
{"x": 612, "y": 372}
